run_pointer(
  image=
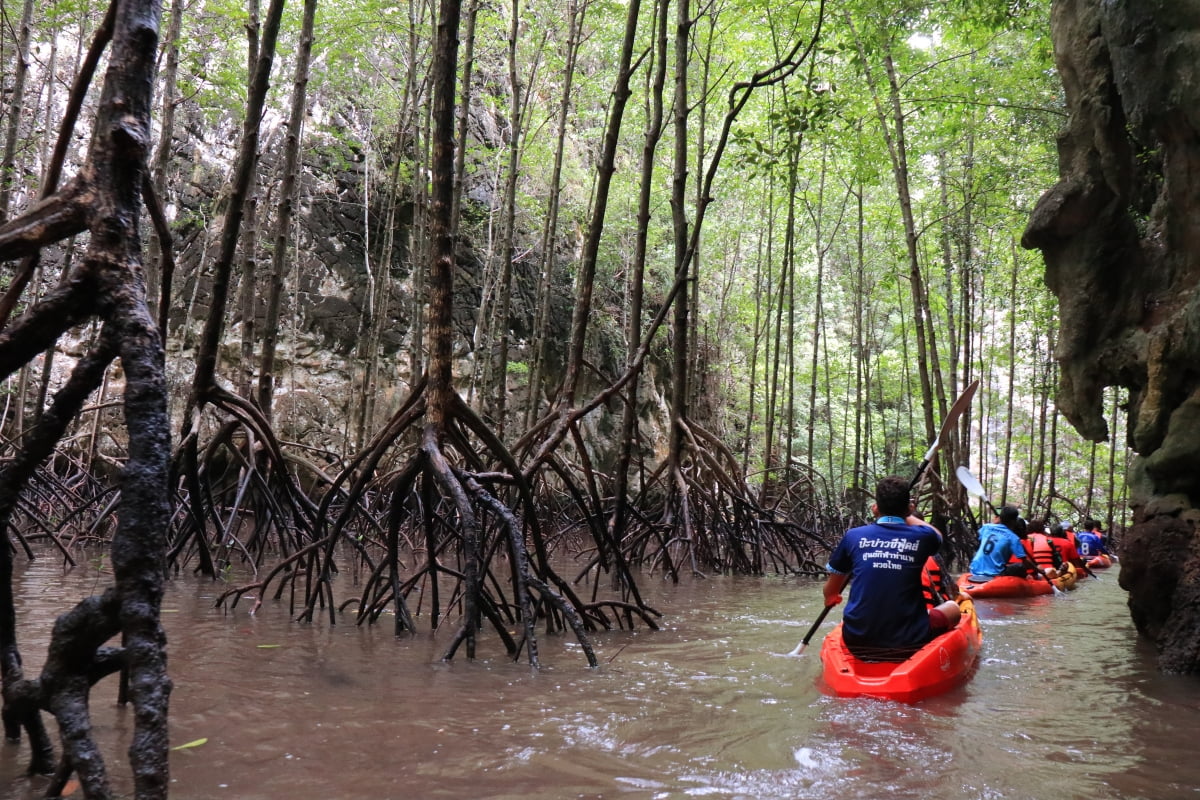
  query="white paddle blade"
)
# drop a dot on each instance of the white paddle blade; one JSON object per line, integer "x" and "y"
{"x": 970, "y": 482}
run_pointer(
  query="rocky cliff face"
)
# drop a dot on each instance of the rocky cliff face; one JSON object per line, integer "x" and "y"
{"x": 1120, "y": 234}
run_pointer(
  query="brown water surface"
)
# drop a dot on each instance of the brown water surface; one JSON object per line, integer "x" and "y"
{"x": 1065, "y": 704}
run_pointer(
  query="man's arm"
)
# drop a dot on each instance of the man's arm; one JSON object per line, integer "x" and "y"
{"x": 833, "y": 587}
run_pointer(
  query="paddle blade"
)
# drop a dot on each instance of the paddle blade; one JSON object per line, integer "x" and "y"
{"x": 956, "y": 410}
{"x": 970, "y": 483}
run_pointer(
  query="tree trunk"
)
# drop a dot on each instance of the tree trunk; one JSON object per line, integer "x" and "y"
{"x": 680, "y": 346}
{"x": 584, "y": 285}
{"x": 575, "y": 16}
{"x": 277, "y": 273}
{"x": 15, "y": 109}
{"x": 892, "y": 125}
{"x": 633, "y": 329}
{"x": 204, "y": 380}
{"x": 1012, "y": 381}
{"x": 106, "y": 199}
{"x": 499, "y": 340}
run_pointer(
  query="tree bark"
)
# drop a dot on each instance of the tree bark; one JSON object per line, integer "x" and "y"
{"x": 108, "y": 284}
{"x": 15, "y": 109}
{"x": 284, "y": 211}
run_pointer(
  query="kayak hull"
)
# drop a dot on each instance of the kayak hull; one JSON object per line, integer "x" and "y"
{"x": 1067, "y": 580}
{"x": 1003, "y": 586}
{"x": 937, "y": 667}
{"x": 1101, "y": 561}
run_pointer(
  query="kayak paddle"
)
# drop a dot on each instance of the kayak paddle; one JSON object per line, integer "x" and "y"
{"x": 956, "y": 411}
{"x": 811, "y": 632}
{"x": 975, "y": 489}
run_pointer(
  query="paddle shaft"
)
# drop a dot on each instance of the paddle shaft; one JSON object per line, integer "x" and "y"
{"x": 956, "y": 411}
{"x": 812, "y": 631}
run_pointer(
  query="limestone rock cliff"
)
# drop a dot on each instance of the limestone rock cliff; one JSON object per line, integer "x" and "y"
{"x": 1120, "y": 234}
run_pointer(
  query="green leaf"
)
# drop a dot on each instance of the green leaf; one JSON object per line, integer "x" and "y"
{"x": 193, "y": 743}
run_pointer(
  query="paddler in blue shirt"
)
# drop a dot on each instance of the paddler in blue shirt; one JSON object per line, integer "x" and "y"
{"x": 999, "y": 543}
{"x": 886, "y": 617}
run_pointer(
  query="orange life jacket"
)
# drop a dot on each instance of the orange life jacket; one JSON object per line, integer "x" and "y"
{"x": 1067, "y": 546}
{"x": 1045, "y": 554}
{"x": 931, "y": 583}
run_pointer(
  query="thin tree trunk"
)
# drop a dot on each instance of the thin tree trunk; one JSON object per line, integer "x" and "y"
{"x": 817, "y": 215}
{"x": 169, "y": 81}
{"x": 464, "y": 107}
{"x": 575, "y": 15}
{"x": 1052, "y": 487}
{"x": 15, "y": 109}
{"x": 1037, "y": 439}
{"x": 420, "y": 242}
{"x": 285, "y": 211}
{"x": 633, "y": 333}
{"x": 1012, "y": 379}
{"x": 1091, "y": 481}
{"x": 892, "y": 125}
{"x": 248, "y": 294}
{"x": 500, "y": 319}
{"x": 761, "y": 273}
{"x": 680, "y": 345}
{"x": 584, "y": 286}
{"x": 207, "y": 353}
{"x": 787, "y": 302}
{"x": 862, "y": 420}
{"x": 1114, "y": 441}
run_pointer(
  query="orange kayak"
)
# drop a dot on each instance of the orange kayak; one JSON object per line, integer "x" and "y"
{"x": 1101, "y": 561}
{"x": 1067, "y": 581}
{"x": 1003, "y": 586}
{"x": 937, "y": 667}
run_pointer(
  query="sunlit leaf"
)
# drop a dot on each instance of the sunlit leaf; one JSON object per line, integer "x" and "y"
{"x": 194, "y": 743}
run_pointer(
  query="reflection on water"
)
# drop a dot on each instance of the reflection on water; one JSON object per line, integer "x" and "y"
{"x": 1065, "y": 703}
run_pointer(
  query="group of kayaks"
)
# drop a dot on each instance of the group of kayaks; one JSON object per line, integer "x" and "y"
{"x": 944, "y": 662}
{"x": 1009, "y": 586}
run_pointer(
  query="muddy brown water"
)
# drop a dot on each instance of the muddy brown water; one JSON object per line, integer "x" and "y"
{"x": 1064, "y": 704}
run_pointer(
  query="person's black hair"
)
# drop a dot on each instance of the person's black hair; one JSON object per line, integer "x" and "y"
{"x": 1009, "y": 516}
{"x": 1037, "y": 525}
{"x": 1057, "y": 530}
{"x": 1089, "y": 524}
{"x": 891, "y": 496}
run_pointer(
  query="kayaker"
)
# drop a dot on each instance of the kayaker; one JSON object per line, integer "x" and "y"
{"x": 1099, "y": 531}
{"x": 1091, "y": 544}
{"x": 1064, "y": 539}
{"x": 999, "y": 542}
{"x": 1044, "y": 553}
{"x": 885, "y": 618}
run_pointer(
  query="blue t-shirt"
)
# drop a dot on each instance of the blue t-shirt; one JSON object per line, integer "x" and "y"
{"x": 997, "y": 544}
{"x": 1090, "y": 545}
{"x": 884, "y": 560}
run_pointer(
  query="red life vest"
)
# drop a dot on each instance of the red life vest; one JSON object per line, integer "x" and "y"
{"x": 1066, "y": 546}
{"x": 1045, "y": 554}
{"x": 931, "y": 583}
